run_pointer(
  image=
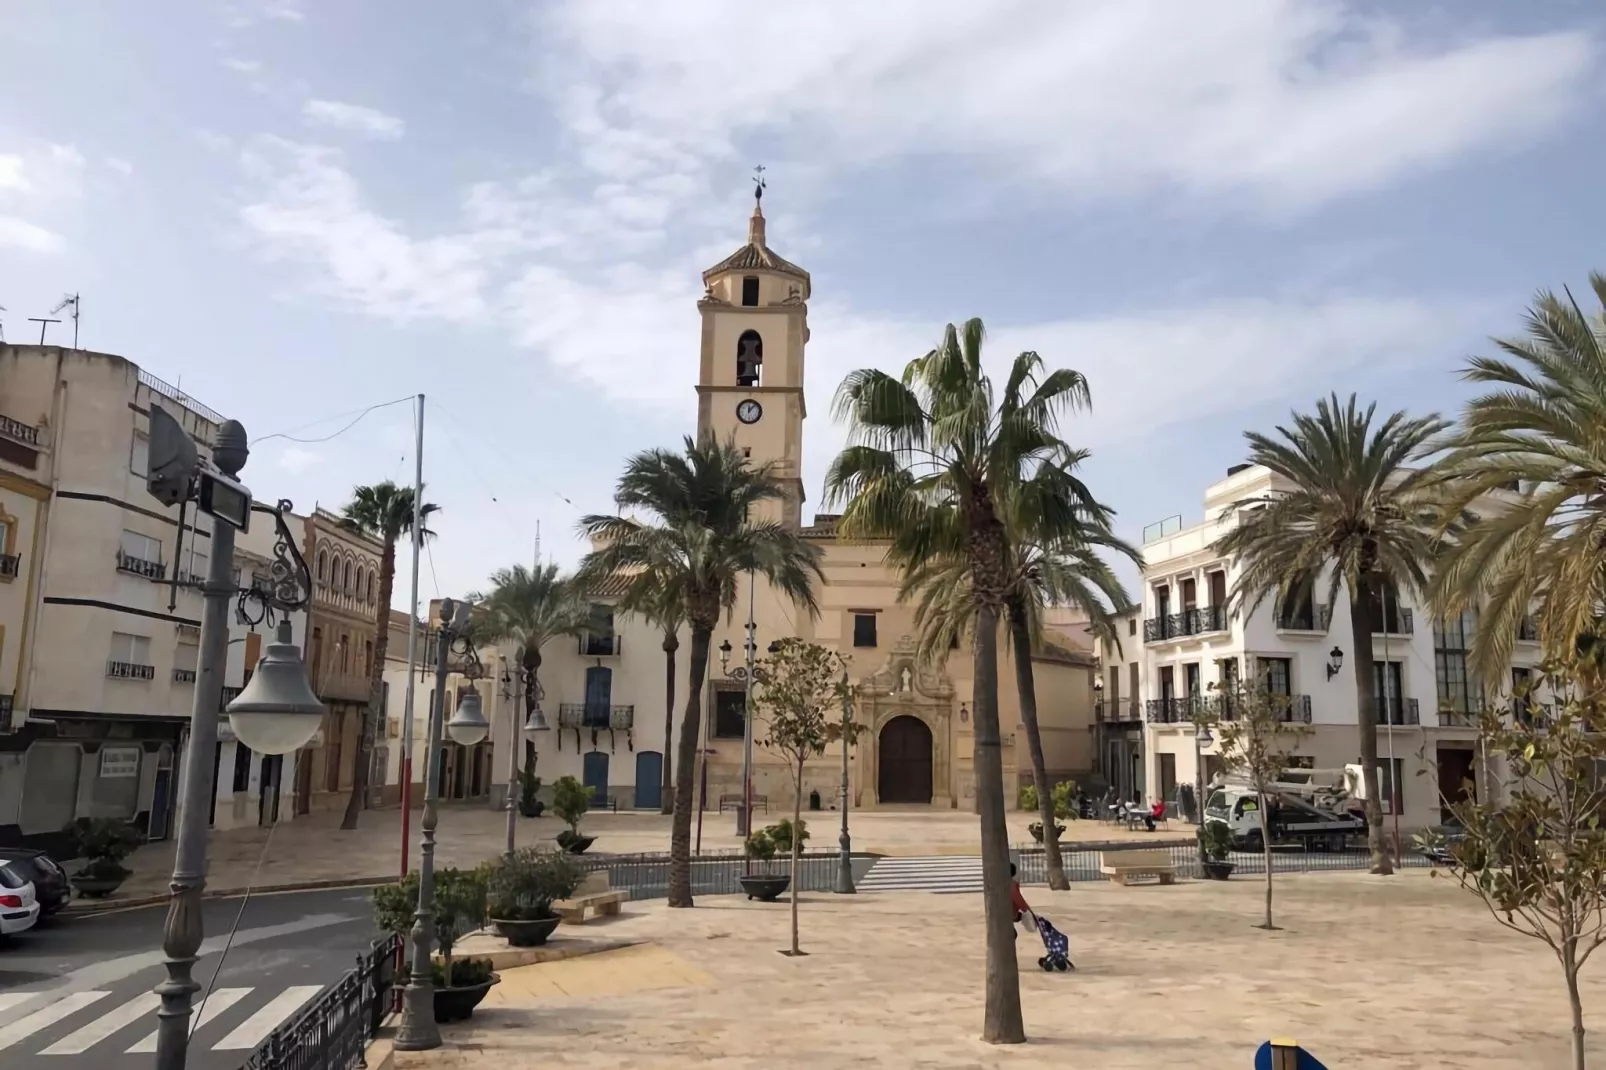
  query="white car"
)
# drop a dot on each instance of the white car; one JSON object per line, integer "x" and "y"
{"x": 19, "y": 907}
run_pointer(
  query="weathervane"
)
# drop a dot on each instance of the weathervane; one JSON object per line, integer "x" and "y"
{"x": 758, "y": 185}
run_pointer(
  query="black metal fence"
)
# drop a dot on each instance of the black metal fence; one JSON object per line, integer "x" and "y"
{"x": 332, "y": 1032}
{"x": 1083, "y": 865}
{"x": 646, "y": 876}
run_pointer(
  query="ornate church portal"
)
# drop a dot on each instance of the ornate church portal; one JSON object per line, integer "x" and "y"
{"x": 907, "y": 752}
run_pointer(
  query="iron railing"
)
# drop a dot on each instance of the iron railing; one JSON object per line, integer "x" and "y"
{"x": 1172, "y": 710}
{"x": 173, "y": 393}
{"x": 332, "y": 1032}
{"x": 154, "y": 570}
{"x": 646, "y": 876}
{"x": 1398, "y": 712}
{"x": 1117, "y": 709}
{"x": 1197, "y": 621}
{"x": 1292, "y": 709}
{"x": 1462, "y": 714}
{"x": 183, "y": 676}
{"x": 130, "y": 670}
{"x": 1083, "y": 865}
{"x": 1396, "y": 621}
{"x": 1303, "y": 617}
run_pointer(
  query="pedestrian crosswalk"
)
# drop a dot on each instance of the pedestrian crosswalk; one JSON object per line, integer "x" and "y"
{"x": 960, "y": 873}
{"x": 92, "y": 1022}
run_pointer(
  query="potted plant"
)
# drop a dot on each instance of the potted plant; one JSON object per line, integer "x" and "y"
{"x": 766, "y": 887}
{"x": 1063, "y": 810}
{"x": 103, "y": 843}
{"x": 459, "y": 909}
{"x": 1215, "y": 841}
{"x": 529, "y": 789}
{"x": 570, "y": 801}
{"x": 522, "y": 889}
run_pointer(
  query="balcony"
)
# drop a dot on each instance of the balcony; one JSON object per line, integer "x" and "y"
{"x": 1397, "y": 621}
{"x": 342, "y": 686}
{"x": 183, "y": 676}
{"x": 9, "y": 564}
{"x": 138, "y": 566}
{"x": 128, "y": 670}
{"x": 1117, "y": 711}
{"x": 1400, "y": 713}
{"x": 578, "y": 716}
{"x": 1172, "y": 710}
{"x": 24, "y": 433}
{"x": 600, "y": 646}
{"x": 229, "y": 695}
{"x": 1309, "y": 617}
{"x": 1291, "y": 709}
{"x": 1197, "y": 621}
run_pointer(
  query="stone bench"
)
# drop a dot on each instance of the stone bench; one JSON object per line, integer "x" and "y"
{"x": 593, "y": 896}
{"x": 1120, "y": 866}
{"x": 734, "y": 801}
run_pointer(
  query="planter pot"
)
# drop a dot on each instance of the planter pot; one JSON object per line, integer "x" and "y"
{"x": 526, "y": 933}
{"x": 1037, "y": 831}
{"x": 457, "y": 1004}
{"x": 576, "y": 845}
{"x": 765, "y": 887}
{"x": 535, "y": 809}
{"x": 96, "y": 887}
{"x": 1216, "y": 871}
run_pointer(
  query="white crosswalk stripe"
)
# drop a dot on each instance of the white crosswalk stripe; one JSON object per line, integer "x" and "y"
{"x": 947, "y": 874}
{"x": 105, "y": 1030}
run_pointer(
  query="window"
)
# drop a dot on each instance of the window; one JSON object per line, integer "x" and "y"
{"x": 729, "y": 714}
{"x": 345, "y": 583}
{"x": 323, "y": 566}
{"x": 749, "y": 358}
{"x": 1390, "y": 772}
{"x": 750, "y": 291}
{"x": 1522, "y": 703}
{"x": 131, "y": 649}
{"x": 1132, "y": 626}
{"x": 864, "y": 629}
{"x": 1278, "y": 674}
{"x": 141, "y": 547}
{"x": 599, "y": 639}
{"x": 1218, "y": 588}
{"x": 368, "y": 658}
{"x": 1297, "y": 611}
{"x": 187, "y": 656}
{"x": 1457, "y": 689}
{"x": 199, "y": 563}
{"x": 1386, "y": 691}
{"x": 242, "y": 767}
{"x": 139, "y": 454}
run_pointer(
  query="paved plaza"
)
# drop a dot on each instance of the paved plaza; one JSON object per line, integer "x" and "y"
{"x": 1370, "y": 974}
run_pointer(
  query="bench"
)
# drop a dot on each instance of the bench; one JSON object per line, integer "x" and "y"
{"x": 1120, "y": 866}
{"x": 734, "y": 801}
{"x": 593, "y": 896}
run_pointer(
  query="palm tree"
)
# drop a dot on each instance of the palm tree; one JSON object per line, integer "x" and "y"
{"x": 1534, "y": 440}
{"x": 933, "y": 467}
{"x": 530, "y": 607}
{"x": 667, "y": 610}
{"x": 699, "y": 539}
{"x": 1354, "y": 510}
{"x": 1065, "y": 572}
{"x": 383, "y": 512}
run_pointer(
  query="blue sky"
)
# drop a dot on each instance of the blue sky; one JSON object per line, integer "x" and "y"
{"x": 299, "y": 208}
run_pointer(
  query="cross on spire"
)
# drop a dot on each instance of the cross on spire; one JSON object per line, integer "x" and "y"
{"x": 758, "y": 185}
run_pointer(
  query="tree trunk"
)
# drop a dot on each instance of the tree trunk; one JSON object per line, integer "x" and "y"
{"x": 1001, "y": 1021}
{"x": 685, "y": 772}
{"x": 797, "y": 849}
{"x": 1026, "y": 684}
{"x": 1265, "y": 847}
{"x": 1569, "y": 964}
{"x": 1360, "y": 616}
{"x": 364, "y": 757}
{"x": 671, "y": 646}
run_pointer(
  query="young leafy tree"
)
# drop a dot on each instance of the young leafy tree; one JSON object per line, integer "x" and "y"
{"x": 1255, "y": 735}
{"x": 799, "y": 685}
{"x": 1537, "y": 858}
{"x": 1352, "y": 508}
{"x": 384, "y": 512}
{"x": 699, "y": 541}
{"x": 934, "y": 461}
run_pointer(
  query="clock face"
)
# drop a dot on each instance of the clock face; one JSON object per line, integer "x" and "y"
{"x": 749, "y": 411}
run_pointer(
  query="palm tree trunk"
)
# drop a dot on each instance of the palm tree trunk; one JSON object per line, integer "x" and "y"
{"x": 671, "y": 647}
{"x": 532, "y": 699}
{"x": 1026, "y": 684}
{"x": 1001, "y": 1021}
{"x": 1360, "y": 617}
{"x": 376, "y": 689}
{"x": 685, "y": 772}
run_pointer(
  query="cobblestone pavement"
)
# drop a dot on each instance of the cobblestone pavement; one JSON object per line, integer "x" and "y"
{"x": 1369, "y": 973}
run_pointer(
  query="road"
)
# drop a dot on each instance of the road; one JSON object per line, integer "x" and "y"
{"x": 78, "y": 993}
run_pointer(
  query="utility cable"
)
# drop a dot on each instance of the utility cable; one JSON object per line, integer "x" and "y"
{"x": 290, "y": 436}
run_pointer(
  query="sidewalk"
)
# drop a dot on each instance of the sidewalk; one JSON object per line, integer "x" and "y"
{"x": 314, "y": 849}
{"x": 1381, "y": 973}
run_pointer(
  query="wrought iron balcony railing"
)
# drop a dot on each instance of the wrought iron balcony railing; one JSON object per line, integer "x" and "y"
{"x": 228, "y": 696}
{"x": 1196, "y": 621}
{"x": 128, "y": 670}
{"x": 1399, "y": 712}
{"x": 1306, "y": 617}
{"x": 596, "y": 717}
{"x": 1291, "y": 709}
{"x": 138, "y": 566}
{"x": 1397, "y": 621}
{"x": 1117, "y": 710}
{"x": 1173, "y": 710}
{"x": 183, "y": 676}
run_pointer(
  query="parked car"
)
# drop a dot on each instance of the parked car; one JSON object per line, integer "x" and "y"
{"x": 49, "y": 880}
{"x": 19, "y": 907}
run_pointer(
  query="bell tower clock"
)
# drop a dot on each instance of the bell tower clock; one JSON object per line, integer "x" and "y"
{"x": 750, "y": 381}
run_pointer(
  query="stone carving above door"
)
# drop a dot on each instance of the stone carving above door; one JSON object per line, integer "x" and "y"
{"x": 902, "y": 676}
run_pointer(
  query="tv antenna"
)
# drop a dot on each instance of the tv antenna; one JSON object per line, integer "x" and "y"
{"x": 69, "y": 301}
{"x": 44, "y": 324}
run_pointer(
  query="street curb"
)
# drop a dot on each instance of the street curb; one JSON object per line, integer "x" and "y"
{"x": 79, "y": 908}
{"x": 381, "y": 1054}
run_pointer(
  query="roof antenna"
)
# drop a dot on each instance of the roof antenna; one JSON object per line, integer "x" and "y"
{"x": 44, "y": 324}
{"x": 69, "y": 301}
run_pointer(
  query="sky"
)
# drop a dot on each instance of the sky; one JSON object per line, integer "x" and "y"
{"x": 296, "y": 210}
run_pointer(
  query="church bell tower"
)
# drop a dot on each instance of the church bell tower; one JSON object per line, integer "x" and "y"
{"x": 750, "y": 381}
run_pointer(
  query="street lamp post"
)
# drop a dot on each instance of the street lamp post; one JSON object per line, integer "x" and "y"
{"x": 418, "y": 1031}
{"x": 510, "y": 694}
{"x": 276, "y": 713}
{"x": 844, "y": 858}
{"x": 744, "y": 816}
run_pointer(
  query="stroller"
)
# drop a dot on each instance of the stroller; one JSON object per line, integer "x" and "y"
{"x": 1055, "y": 942}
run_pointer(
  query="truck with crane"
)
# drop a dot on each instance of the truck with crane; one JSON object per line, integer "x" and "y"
{"x": 1317, "y": 809}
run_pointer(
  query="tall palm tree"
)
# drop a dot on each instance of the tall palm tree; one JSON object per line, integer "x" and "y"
{"x": 1534, "y": 439}
{"x": 530, "y": 607}
{"x": 1065, "y": 572}
{"x": 933, "y": 464}
{"x": 698, "y": 541}
{"x": 383, "y": 512}
{"x": 667, "y": 610}
{"x": 1355, "y": 511}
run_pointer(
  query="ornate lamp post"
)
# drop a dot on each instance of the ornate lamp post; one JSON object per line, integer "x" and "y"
{"x": 276, "y": 713}
{"x": 844, "y": 858}
{"x": 418, "y": 1031}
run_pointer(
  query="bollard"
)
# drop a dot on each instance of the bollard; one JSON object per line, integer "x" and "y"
{"x": 1284, "y": 1054}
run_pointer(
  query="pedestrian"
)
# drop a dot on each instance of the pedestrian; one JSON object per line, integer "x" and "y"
{"x": 1017, "y": 900}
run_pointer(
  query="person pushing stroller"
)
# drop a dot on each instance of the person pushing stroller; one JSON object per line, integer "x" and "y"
{"x": 1056, "y": 943}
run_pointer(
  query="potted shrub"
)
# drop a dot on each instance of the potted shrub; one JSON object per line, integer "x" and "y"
{"x": 522, "y": 889}
{"x": 1063, "y": 810}
{"x": 766, "y": 887}
{"x": 459, "y": 909}
{"x": 570, "y": 801}
{"x": 102, "y": 843}
{"x": 529, "y": 789}
{"x": 1215, "y": 841}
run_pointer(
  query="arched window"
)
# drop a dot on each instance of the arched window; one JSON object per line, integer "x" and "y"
{"x": 323, "y": 566}
{"x": 345, "y": 583}
{"x": 365, "y": 585}
{"x": 749, "y": 358}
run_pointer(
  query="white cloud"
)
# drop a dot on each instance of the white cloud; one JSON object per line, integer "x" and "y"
{"x": 40, "y": 185}
{"x": 243, "y": 66}
{"x": 12, "y": 175}
{"x": 284, "y": 11}
{"x": 355, "y": 118}
{"x": 20, "y": 234}
{"x": 120, "y": 165}
{"x": 298, "y": 458}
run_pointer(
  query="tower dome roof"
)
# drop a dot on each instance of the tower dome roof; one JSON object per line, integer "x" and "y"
{"x": 757, "y": 256}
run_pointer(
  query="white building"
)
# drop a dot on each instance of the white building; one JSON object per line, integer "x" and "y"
{"x": 1427, "y": 695}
